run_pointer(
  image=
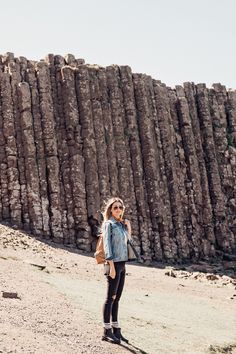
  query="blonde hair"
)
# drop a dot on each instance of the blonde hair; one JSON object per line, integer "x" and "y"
{"x": 107, "y": 210}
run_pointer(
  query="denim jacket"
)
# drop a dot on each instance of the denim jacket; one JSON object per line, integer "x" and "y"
{"x": 115, "y": 240}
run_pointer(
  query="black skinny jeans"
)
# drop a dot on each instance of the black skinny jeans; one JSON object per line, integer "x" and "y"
{"x": 114, "y": 287}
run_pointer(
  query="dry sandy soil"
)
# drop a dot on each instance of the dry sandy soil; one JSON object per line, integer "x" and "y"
{"x": 61, "y": 292}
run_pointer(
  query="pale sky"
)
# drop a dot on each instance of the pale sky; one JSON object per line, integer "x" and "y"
{"x": 172, "y": 40}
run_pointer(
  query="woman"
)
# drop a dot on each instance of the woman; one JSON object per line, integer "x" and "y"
{"x": 116, "y": 232}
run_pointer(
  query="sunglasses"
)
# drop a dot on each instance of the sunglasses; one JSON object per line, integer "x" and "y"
{"x": 118, "y": 207}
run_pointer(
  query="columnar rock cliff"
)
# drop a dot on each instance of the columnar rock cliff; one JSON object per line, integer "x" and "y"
{"x": 72, "y": 135}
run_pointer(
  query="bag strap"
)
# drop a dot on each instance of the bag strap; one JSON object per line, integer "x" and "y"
{"x": 111, "y": 228}
{"x": 110, "y": 223}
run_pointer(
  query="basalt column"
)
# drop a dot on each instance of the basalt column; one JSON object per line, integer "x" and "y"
{"x": 5, "y": 208}
{"x": 89, "y": 145}
{"x": 167, "y": 134}
{"x": 165, "y": 222}
{"x": 221, "y": 230}
{"x": 149, "y": 155}
{"x": 108, "y": 132}
{"x": 50, "y": 148}
{"x": 218, "y": 100}
{"x": 76, "y": 159}
{"x": 122, "y": 149}
{"x": 99, "y": 133}
{"x": 55, "y": 64}
{"x": 11, "y": 196}
{"x": 31, "y": 79}
{"x": 205, "y": 214}
{"x": 136, "y": 160}
{"x": 31, "y": 171}
{"x": 13, "y": 68}
{"x": 231, "y": 155}
{"x": 192, "y": 185}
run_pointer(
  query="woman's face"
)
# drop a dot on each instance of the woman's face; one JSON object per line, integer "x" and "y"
{"x": 117, "y": 209}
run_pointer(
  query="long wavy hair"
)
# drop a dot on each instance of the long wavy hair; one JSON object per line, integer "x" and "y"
{"x": 107, "y": 209}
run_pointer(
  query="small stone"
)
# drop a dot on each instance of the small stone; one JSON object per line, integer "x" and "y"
{"x": 170, "y": 273}
{"x": 211, "y": 277}
{"x": 10, "y": 295}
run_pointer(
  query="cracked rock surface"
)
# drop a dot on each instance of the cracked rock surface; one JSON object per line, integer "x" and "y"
{"x": 74, "y": 134}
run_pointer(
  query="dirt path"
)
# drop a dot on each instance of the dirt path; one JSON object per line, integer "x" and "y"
{"x": 59, "y": 310}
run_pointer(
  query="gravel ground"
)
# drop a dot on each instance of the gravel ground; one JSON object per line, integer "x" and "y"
{"x": 61, "y": 292}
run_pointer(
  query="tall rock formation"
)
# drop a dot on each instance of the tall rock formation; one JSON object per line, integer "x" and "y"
{"x": 72, "y": 135}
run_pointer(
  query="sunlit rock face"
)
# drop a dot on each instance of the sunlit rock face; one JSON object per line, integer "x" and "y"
{"x": 73, "y": 134}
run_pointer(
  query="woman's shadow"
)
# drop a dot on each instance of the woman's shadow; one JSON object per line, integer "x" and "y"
{"x": 132, "y": 348}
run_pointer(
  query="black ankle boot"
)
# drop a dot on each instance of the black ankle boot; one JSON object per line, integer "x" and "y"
{"x": 117, "y": 333}
{"x": 109, "y": 336}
